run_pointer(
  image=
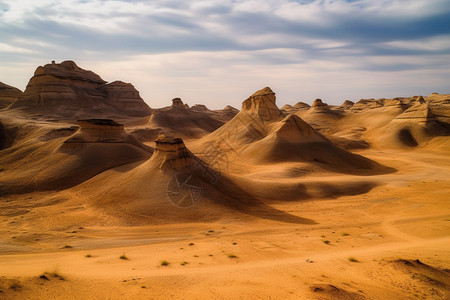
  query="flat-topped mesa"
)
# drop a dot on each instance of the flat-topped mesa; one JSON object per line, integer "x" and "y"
{"x": 172, "y": 154}
{"x": 98, "y": 131}
{"x": 100, "y": 124}
{"x": 176, "y": 102}
{"x": 8, "y": 94}
{"x": 262, "y": 103}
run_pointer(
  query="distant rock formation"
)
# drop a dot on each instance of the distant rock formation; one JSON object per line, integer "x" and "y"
{"x": 301, "y": 105}
{"x": 286, "y": 107}
{"x": 176, "y": 102}
{"x": 231, "y": 108}
{"x": 199, "y": 107}
{"x": 318, "y": 111}
{"x": 8, "y": 94}
{"x": 180, "y": 120}
{"x": 67, "y": 90}
{"x": 319, "y": 103}
{"x": 347, "y": 104}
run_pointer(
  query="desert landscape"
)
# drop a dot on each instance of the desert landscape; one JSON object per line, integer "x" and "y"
{"x": 104, "y": 197}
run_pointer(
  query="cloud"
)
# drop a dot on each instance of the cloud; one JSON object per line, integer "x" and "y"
{"x": 194, "y": 41}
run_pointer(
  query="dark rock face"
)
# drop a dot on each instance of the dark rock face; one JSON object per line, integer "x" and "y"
{"x": 177, "y": 102}
{"x": 126, "y": 98}
{"x": 8, "y": 95}
{"x": 67, "y": 90}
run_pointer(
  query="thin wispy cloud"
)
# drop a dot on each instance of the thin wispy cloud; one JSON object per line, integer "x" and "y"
{"x": 197, "y": 49}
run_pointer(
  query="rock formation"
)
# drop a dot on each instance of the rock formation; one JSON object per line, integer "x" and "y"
{"x": 199, "y": 107}
{"x": 176, "y": 102}
{"x": 179, "y": 120}
{"x": 67, "y": 90}
{"x": 347, "y": 104}
{"x": 125, "y": 98}
{"x": 262, "y": 105}
{"x": 301, "y": 105}
{"x": 172, "y": 154}
{"x": 420, "y": 112}
{"x": 8, "y": 94}
{"x": 103, "y": 131}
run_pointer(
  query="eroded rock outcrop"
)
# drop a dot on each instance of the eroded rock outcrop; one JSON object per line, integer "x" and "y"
{"x": 8, "y": 94}
{"x": 67, "y": 90}
{"x": 176, "y": 102}
{"x": 262, "y": 105}
{"x": 347, "y": 104}
{"x": 171, "y": 154}
{"x": 420, "y": 112}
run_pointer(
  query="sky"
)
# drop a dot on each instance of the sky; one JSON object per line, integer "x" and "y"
{"x": 218, "y": 52}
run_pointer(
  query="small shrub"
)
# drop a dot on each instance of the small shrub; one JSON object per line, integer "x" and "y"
{"x": 67, "y": 246}
{"x": 326, "y": 242}
{"x": 56, "y": 275}
{"x": 345, "y": 234}
{"x": 352, "y": 259}
{"x": 88, "y": 255}
{"x": 232, "y": 256}
{"x": 165, "y": 263}
{"x": 15, "y": 286}
{"x": 143, "y": 287}
{"x": 191, "y": 244}
{"x": 123, "y": 256}
{"x": 44, "y": 277}
{"x": 184, "y": 263}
